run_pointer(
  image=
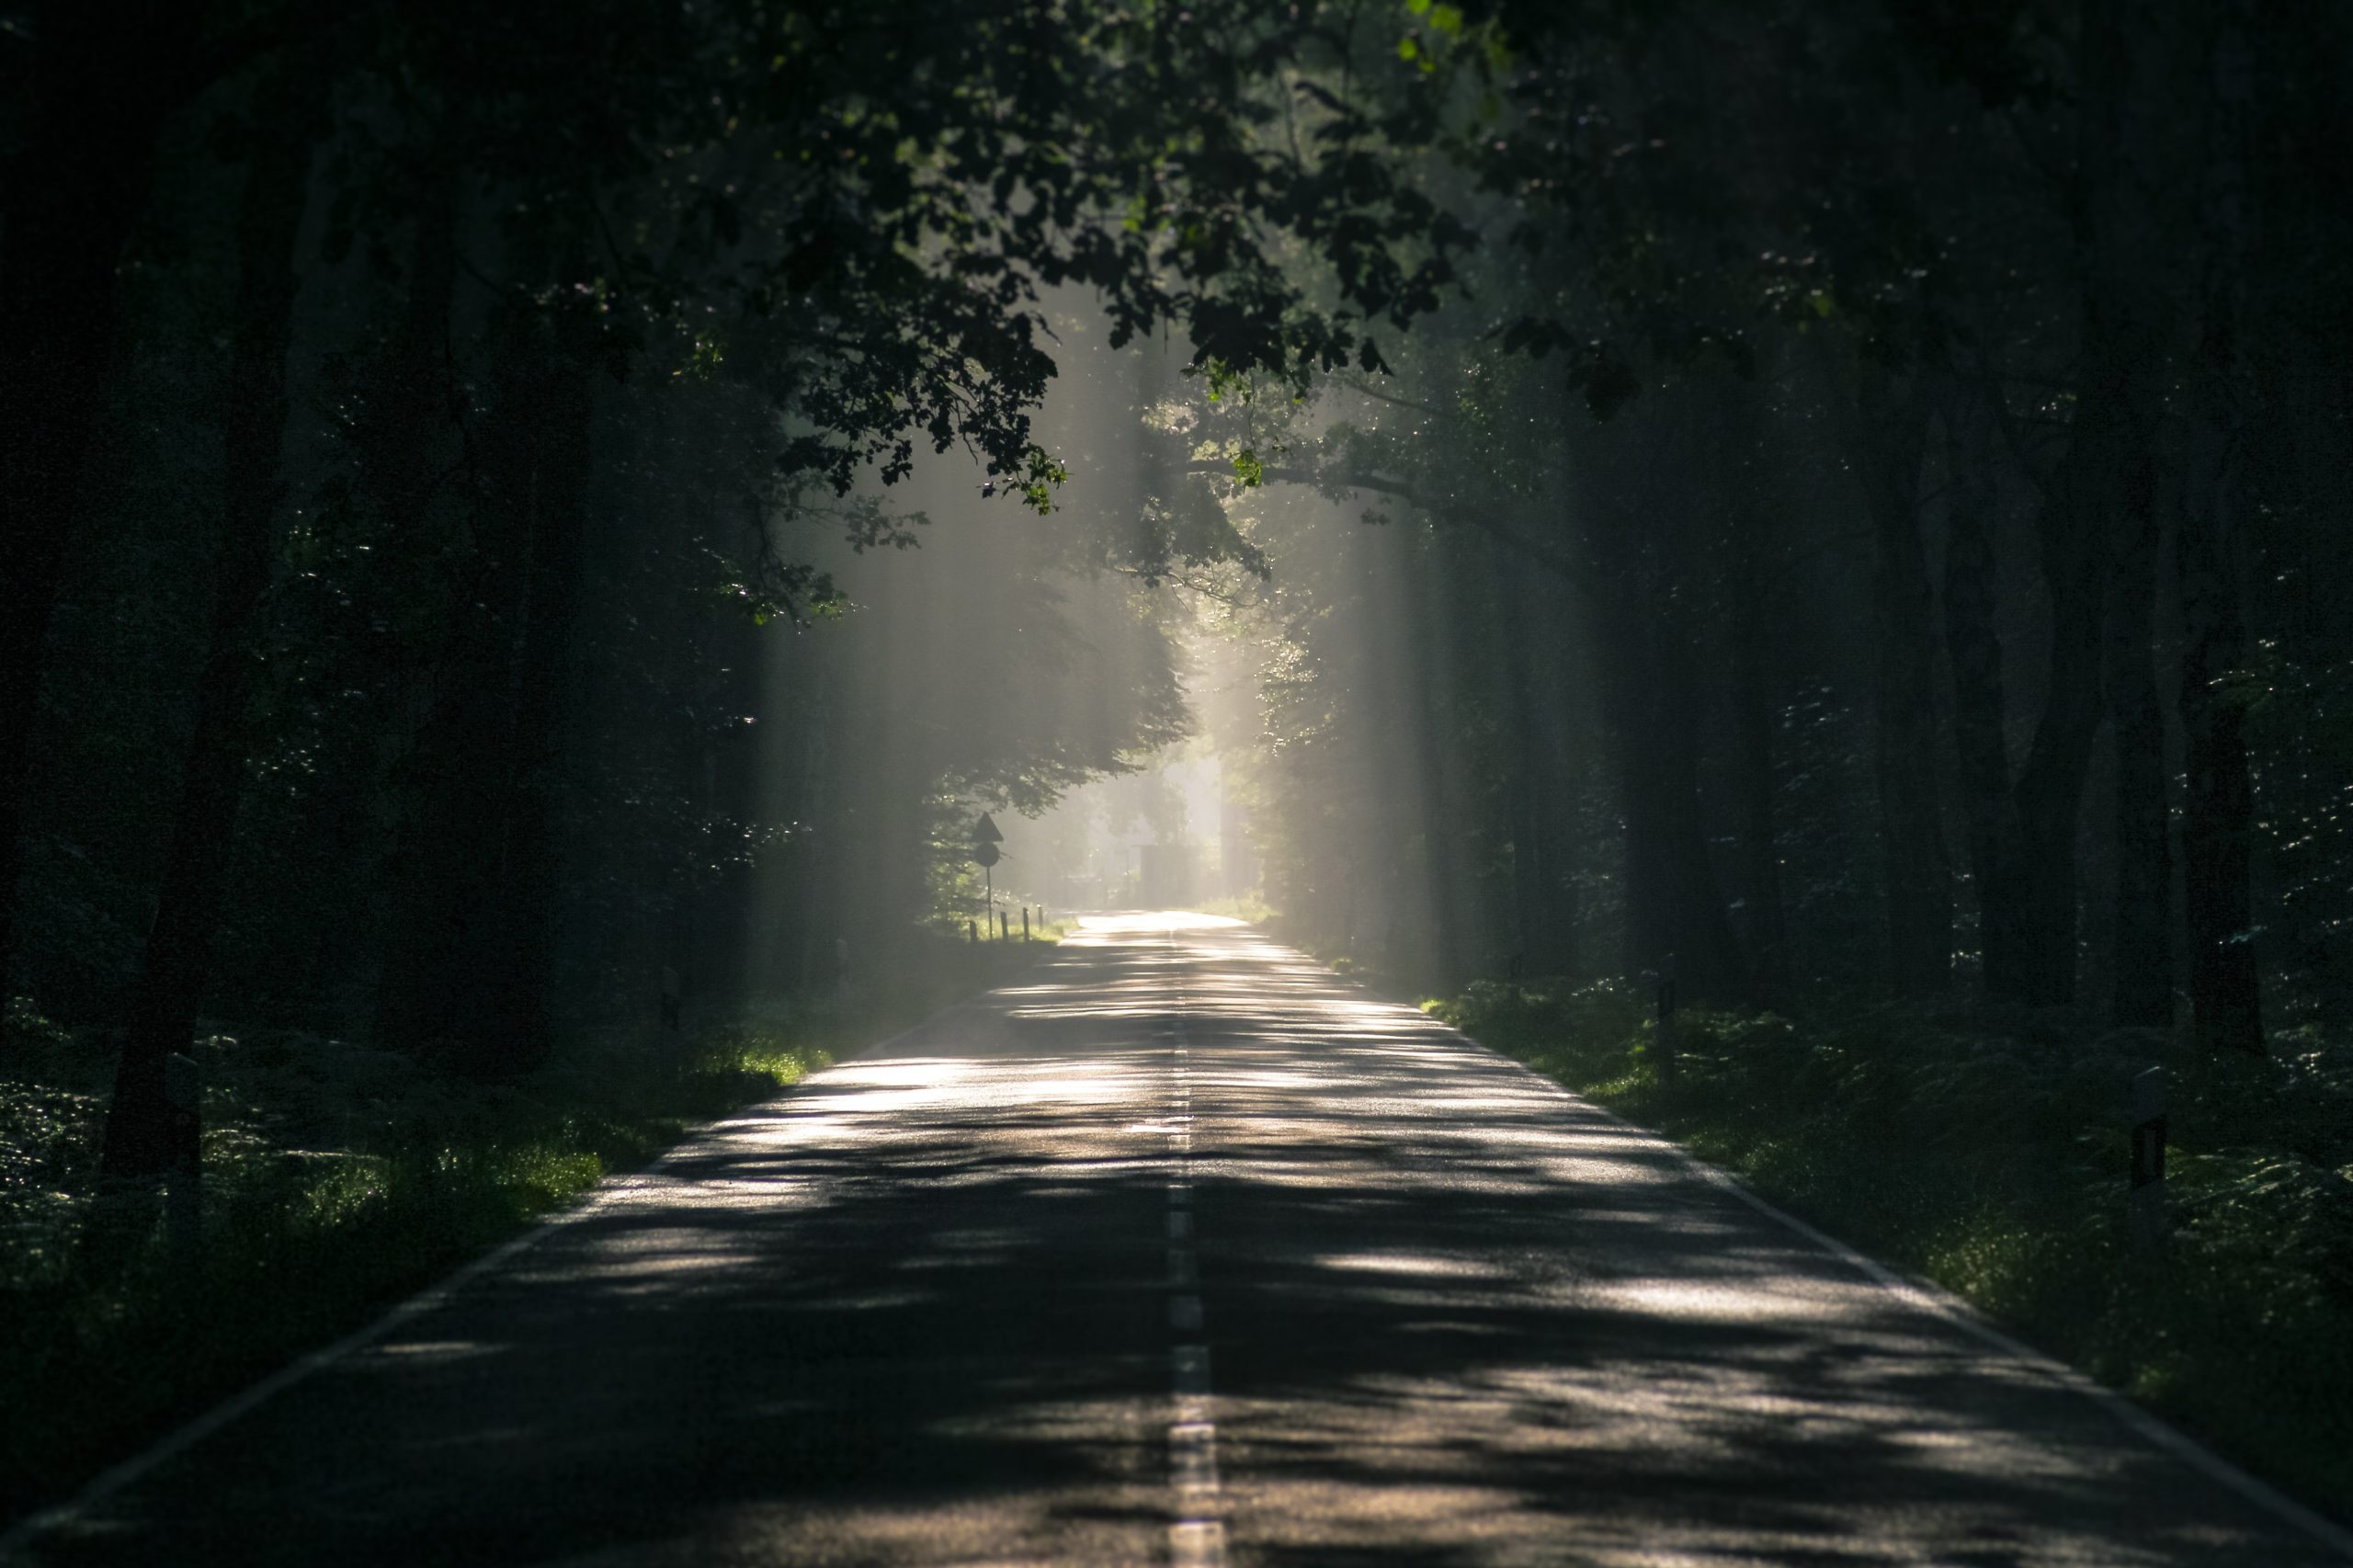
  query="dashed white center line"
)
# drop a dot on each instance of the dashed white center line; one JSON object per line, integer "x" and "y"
{"x": 1192, "y": 1456}
{"x": 1197, "y": 1543}
{"x": 1196, "y": 1536}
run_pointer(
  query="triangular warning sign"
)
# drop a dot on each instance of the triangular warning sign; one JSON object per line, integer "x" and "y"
{"x": 986, "y": 832}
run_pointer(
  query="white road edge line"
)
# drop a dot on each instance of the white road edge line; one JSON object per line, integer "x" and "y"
{"x": 107, "y": 1483}
{"x": 178, "y": 1442}
{"x": 1938, "y": 1303}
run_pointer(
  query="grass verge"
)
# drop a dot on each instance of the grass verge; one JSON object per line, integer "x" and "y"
{"x": 1990, "y": 1155}
{"x": 337, "y": 1178}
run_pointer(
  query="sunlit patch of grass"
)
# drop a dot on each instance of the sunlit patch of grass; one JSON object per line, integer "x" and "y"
{"x": 1989, "y": 1155}
{"x": 1247, "y": 906}
{"x": 1988, "y": 1257}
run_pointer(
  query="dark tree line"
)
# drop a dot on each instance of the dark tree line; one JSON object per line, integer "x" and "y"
{"x": 1867, "y": 516}
{"x": 1899, "y": 416}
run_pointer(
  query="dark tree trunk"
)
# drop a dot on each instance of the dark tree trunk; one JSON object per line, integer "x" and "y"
{"x": 1768, "y": 923}
{"x": 410, "y": 407}
{"x": 395, "y": 443}
{"x": 104, "y": 76}
{"x": 2051, "y": 787}
{"x": 1972, "y": 647}
{"x": 470, "y": 956}
{"x": 2027, "y": 894}
{"x": 196, "y": 873}
{"x": 1912, "y": 832}
{"x": 2111, "y": 493}
{"x": 1542, "y": 940}
{"x": 2218, "y": 800}
{"x": 1427, "y": 666}
{"x": 1530, "y": 860}
{"x": 2143, "y": 928}
{"x": 1675, "y": 907}
{"x": 1635, "y": 533}
{"x": 2218, "y": 804}
{"x": 547, "y": 483}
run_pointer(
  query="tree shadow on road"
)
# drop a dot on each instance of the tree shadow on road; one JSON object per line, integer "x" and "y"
{"x": 918, "y": 1312}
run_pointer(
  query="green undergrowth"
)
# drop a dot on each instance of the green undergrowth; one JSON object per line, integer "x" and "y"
{"x": 1991, "y": 1157}
{"x": 1249, "y": 907}
{"x": 337, "y": 1178}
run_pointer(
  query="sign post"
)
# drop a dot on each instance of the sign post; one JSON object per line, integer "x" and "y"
{"x": 985, "y": 854}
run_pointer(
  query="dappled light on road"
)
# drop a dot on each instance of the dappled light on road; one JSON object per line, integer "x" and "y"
{"x": 919, "y": 1311}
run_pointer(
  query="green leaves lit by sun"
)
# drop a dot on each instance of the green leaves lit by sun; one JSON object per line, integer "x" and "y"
{"x": 1047, "y": 473}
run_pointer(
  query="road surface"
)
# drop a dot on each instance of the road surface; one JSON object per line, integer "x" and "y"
{"x": 1183, "y": 1250}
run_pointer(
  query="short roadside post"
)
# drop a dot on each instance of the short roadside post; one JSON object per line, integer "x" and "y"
{"x": 2145, "y": 1211}
{"x": 1025, "y": 922}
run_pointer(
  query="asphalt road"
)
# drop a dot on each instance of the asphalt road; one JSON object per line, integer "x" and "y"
{"x": 1182, "y": 1250}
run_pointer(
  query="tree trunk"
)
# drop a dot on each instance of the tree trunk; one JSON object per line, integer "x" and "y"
{"x": 1675, "y": 908}
{"x": 2142, "y": 958}
{"x": 1768, "y": 923}
{"x": 2218, "y": 800}
{"x": 180, "y": 943}
{"x": 2051, "y": 787}
{"x": 104, "y": 76}
{"x": 1636, "y": 533}
{"x": 1912, "y": 832}
{"x": 468, "y": 958}
{"x": 1989, "y": 806}
{"x": 1543, "y": 893}
{"x": 1428, "y": 666}
{"x": 2125, "y": 168}
{"x": 1531, "y": 858}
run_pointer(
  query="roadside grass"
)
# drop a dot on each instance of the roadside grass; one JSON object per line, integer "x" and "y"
{"x": 1990, "y": 1155}
{"x": 338, "y": 1179}
{"x": 1249, "y": 908}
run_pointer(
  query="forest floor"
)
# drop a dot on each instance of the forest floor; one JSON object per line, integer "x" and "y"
{"x": 339, "y": 1177}
{"x": 1991, "y": 1155}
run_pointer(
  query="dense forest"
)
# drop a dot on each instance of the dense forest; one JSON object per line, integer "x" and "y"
{"x": 1917, "y": 577}
{"x": 525, "y": 517}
